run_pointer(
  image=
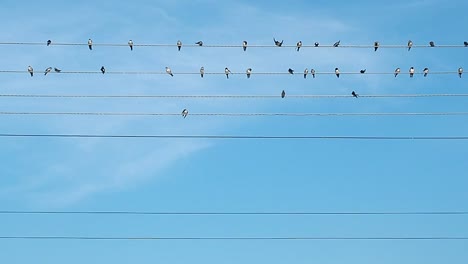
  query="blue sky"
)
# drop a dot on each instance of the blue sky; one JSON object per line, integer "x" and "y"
{"x": 233, "y": 175}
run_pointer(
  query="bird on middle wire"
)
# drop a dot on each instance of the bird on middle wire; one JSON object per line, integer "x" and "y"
{"x": 312, "y": 71}
{"x": 244, "y": 45}
{"x": 291, "y": 71}
{"x": 316, "y": 44}
{"x": 306, "y": 71}
{"x": 397, "y": 71}
{"x": 30, "y": 70}
{"x": 90, "y": 44}
{"x": 426, "y": 71}
{"x": 47, "y": 70}
{"x": 103, "y": 70}
{"x": 179, "y": 45}
{"x": 184, "y": 113}
{"x": 431, "y": 43}
{"x": 362, "y": 71}
{"x": 376, "y": 45}
{"x": 169, "y": 71}
{"x": 57, "y": 70}
{"x": 354, "y": 94}
{"x": 130, "y": 44}
{"x": 227, "y": 72}
{"x": 336, "y": 44}
{"x": 299, "y": 45}
{"x": 248, "y": 72}
{"x": 283, "y": 94}
{"x": 199, "y": 43}
{"x": 277, "y": 43}
{"x": 465, "y": 43}
{"x": 411, "y": 72}
{"x": 202, "y": 71}
{"x": 337, "y": 73}
{"x": 410, "y": 44}
{"x": 460, "y": 72}
{"x": 49, "y": 42}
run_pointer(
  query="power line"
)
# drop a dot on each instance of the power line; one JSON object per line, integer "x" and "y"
{"x": 239, "y": 46}
{"x": 231, "y": 213}
{"x": 235, "y": 137}
{"x": 239, "y": 114}
{"x": 305, "y": 96}
{"x": 226, "y": 238}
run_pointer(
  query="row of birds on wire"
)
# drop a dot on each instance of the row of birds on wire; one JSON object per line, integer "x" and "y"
{"x": 248, "y": 72}
{"x": 277, "y": 43}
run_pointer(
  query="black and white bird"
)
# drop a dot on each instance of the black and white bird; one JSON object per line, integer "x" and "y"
{"x": 376, "y": 45}
{"x": 465, "y": 43}
{"x": 130, "y": 44}
{"x": 291, "y": 71}
{"x": 169, "y": 71}
{"x": 397, "y": 71}
{"x": 337, "y": 73}
{"x": 179, "y": 45}
{"x": 312, "y": 71}
{"x": 227, "y": 72}
{"x": 299, "y": 45}
{"x": 410, "y": 44}
{"x": 184, "y": 113}
{"x": 283, "y": 94}
{"x": 354, "y": 94}
{"x": 103, "y": 70}
{"x": 199, "y": 43}
{"x": 316, "y": 44}
{"x": 244, "y": 45}
{"x": 336, "y": 44}
{"x": 248, "y": 72}
{"x": 49, "y": 42}
{"x": 460, "y": 72}
{"x": 57, "y": 70}
{"x": 278, "y": 43}
{"x": 31, "y": 71}
{"x": 426, "y": 71}
{"x": 202, "y": 71}
{"x": 306, "y": 71}
{"x": 363, "y": 71}
{"x": 411, "y": 72}
{"x": 431, "y": 43}
{"x": 49, "y": 69}
{"x": 90, "y": 44}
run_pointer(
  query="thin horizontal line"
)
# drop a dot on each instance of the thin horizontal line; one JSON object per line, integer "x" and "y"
{"x": 310, "y": 96}
{"x": 235, "y": 213}
{"x": 239, "y": 137}
{"x": 226, "y": 238}
{"x": 239, "y": 114}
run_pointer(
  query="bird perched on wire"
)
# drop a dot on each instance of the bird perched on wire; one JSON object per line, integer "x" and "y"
{"x": 291, "y": 71}
{"x": 277, "y": 43}
{"x": 460, "y": 72}
{"x": 49, "y": 42}
{"x": 47, "y": 70}
{"x": 363, "y": 71}
{"x": 354, "y": 94}
{"x": 299, "y": 45}
{"x": 426, "y": 71}
{"x": 248, "y": 72}
{"x": 411, "y": 72}
{"x": 316, "y": 44}
{"x": 130, "y": 44}
{"x": 376, "y": 45}
{"x": 410, "y": 44}
{"x": 337, "y": 73}
{"x": 179, "y": 45}
{"x": 397, "y": 71}
{"x": 199, "y": 43}
{"x": 336, "y": 44}
{"x": 90, "y": 44}
{"x": 306, "y": 71}
{"x": 202, "y": 71}
{"x": 312, "y": 71}
{"x": 103, "y": 70}
{"x": 57, "y": 70}
{"x": 244, "y": 45}
{"x": 31, "y": 71}
{"x": 431, "y": 43}
{"x": 184, "y": 113}
{"x": 169, "y": 71}
{"x": 283, "y": 94}
{"x": 465, "y": 43}
{"x": 227, "y": 72}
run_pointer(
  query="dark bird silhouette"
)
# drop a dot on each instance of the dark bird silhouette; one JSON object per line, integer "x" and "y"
{"x": 411, "y": 72}
{"x": 336, "y": 44}
{"x": 425, "y": 71}
{"x": 103, "y": 70}
{"x": 312, "y": 71}
{"x": 337, "y": 73}
{"x": 47, "y": 70}
{"x": 57, "y": 70}
{"x": 299, "y": 45}
{"x": 179, "y": 45}
{"x": 397, "y": 71}
{"x": 244, "y": 45}
{"x": 90, "y": 44}
{"x": 306, "y": 71}
{"x": 199, "y": 43}
{"x": 316, "y": 44}
{"x": 376, "y": 45}
{"x": 355, "y": 94}
{"x": 130, "y": 44}
{"x": 363, "y": 71}
{"x": 31, "y": 71}
{"x": 277, "y": 43}
{"x": 283, "y": 94}
{"x": 291, "y": 71}
{"x": 431, "y": 43}
{"x": 49, "y": 42}
{"x": 202, "y": 71}
{"x": 465, "y": 43}
{"x": 184, "y": 113}
{"x": 410, "y": 44}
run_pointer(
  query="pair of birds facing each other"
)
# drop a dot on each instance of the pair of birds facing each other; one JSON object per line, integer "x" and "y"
{"x": 47, "y": 70}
